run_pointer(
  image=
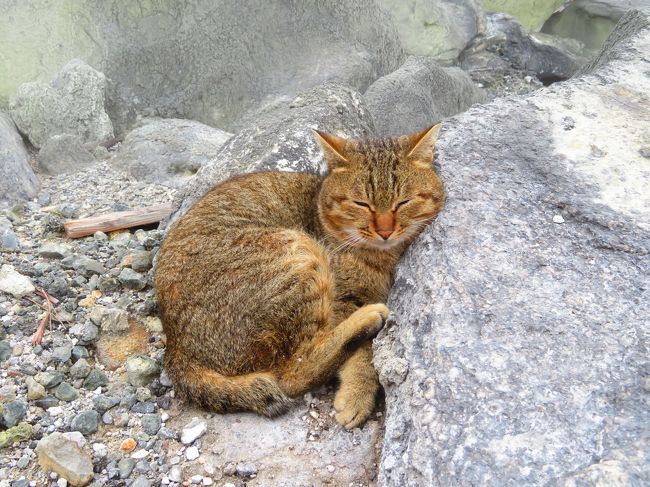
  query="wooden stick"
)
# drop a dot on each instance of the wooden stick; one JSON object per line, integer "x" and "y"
{"x": 116, "y": 221}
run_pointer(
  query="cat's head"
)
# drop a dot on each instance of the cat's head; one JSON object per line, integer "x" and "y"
{"x": 379, "y": 193}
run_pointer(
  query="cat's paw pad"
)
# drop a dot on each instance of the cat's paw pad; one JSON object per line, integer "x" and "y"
{"x": 353, "y": 406}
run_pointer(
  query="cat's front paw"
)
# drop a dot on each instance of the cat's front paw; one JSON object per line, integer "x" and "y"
{"x": 353, "y": 406}
{"x": 371, "y": 317}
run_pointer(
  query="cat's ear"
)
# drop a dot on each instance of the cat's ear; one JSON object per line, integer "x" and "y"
{"x": 420, "y": 146}
{"x": 333, "y": 148}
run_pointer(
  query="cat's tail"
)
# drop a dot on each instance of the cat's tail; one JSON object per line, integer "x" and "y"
{"x": 257, "y": 391}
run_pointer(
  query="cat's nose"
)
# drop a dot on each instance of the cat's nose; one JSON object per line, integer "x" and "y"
{"x": 384, "y": 225}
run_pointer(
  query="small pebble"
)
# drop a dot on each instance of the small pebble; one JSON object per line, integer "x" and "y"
{"x": 558, "y": 219}
{"x": 192, "y": 453}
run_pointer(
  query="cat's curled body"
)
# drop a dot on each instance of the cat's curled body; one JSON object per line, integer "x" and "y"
{"x": 273, "y": 282}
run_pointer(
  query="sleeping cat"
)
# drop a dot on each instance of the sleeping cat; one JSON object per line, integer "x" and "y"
{"x": 273, "y": 283}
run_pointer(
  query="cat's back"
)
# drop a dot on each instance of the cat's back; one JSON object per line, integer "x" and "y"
{"x": 261, "y": 199}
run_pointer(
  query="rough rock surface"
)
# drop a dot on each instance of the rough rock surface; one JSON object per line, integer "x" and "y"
{"x": 517, "y": 348}
{"x": 63, "y": 153}
{"x": 73, "y": 103}
{"x": 168, "y": 151}
{"x": 545, "y": 57}
{"x": 17, "y": 179}
{"x": 418, "y": 94}
{"x": 63, "y": 456}
{"x": 279, "y": 137}
{"x": 437, "y": 28}
{"x": 227, "y": 60}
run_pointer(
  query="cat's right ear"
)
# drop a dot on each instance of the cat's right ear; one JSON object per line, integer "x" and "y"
{"x": 334, "y": 150}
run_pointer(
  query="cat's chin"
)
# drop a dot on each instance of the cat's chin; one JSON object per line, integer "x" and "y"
{"x": 380, "y": 244}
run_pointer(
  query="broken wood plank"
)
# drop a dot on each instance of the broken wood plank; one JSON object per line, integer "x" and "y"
{"x": 116, "y": 221}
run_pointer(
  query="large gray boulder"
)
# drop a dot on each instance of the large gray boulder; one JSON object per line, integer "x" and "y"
{"x": 64, "y": 154}
{"x": 516, "y": 352}
{"x": 168, "y": 151}
{"x": 418, "y": 94}
{"x": 73, "y": 104}
{"x": 279, "y": 137}
{"x": 17, "y": 178}
{"x": 437, "y": 28}
{"x": 212, "y": 61}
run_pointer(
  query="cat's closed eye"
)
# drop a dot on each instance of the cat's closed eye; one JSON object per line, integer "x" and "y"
{"x": 361, "y": 203}
{"x": 402, "y": 203}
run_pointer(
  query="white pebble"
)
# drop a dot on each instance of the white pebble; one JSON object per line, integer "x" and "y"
{"x": 196, "y": 479}
{"x": 192, "y": 453}
{"x": 558, "y": 219}
{"x": 330, "y": 468}
{"x": 62, "y": 483}
{"x": 55, "y": 411}
{"x": 207, "y": 481}
{"x": 313, "y": 414}
{"x": 195, "y": 429}
{"x": 140, "y": 454}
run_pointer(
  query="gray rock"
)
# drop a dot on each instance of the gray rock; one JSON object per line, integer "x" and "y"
{"x": 104, "y": 403}
{"x": 95, "y": 379}
{"x": 131, "y": 279}
{"x": 80, "y": 369}
{"x": 515, "y": 355}
{"x": 419, "y": 94}
{"x": 143, "y": 407}
{"x": 246, "y": 469}
{"x": 85, "y": 265}
{"x": 437, "y": 28}
{"x": 141, "y": 261}
{"x": 5, "y": 351}
{"x": 12, "y": 412}
{"x": 65, "y": 392}
{"x": 17, "y": 178}
{"x": 49, "y": 379}
{"x": 73, "y": 103}
{"x": 14, "y": 283}
{"x": 151, "y": 423}
{"x": 141, "y": 370}
{"x": 284, "y": 48}
{"x": 141, "y": 481}
{"x": 62, "y": 353}
{"x": 194, "y": 430}
{"x": 8, "y": 239}
{"x": 64, "y": 457}
{"x": 111, "y": 320}
{"x": 168, "y": 151}
{"x": 86, "y": 422}
{"x": 279, "y": 138}
{"x": 46, "y": 402}
{"x": 543, "y": 56}
{"x": 79, "y": 352}
{"x": 87, "y": 332}
{"x": 65, "y": 153}
{"x": 54, "y": 251}
{"x": 125, "y": 466}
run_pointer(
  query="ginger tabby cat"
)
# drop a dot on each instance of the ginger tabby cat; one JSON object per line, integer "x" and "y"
{"x": 272, "y": 283}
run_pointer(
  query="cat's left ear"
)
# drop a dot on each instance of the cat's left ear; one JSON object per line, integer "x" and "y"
{"x": 333, "y": 148}
{"x": 420, "y": 146}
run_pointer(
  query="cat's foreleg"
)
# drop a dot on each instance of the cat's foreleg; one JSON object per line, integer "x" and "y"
{"x": 355, "y": 399}
{"x": 320, "y": 359}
